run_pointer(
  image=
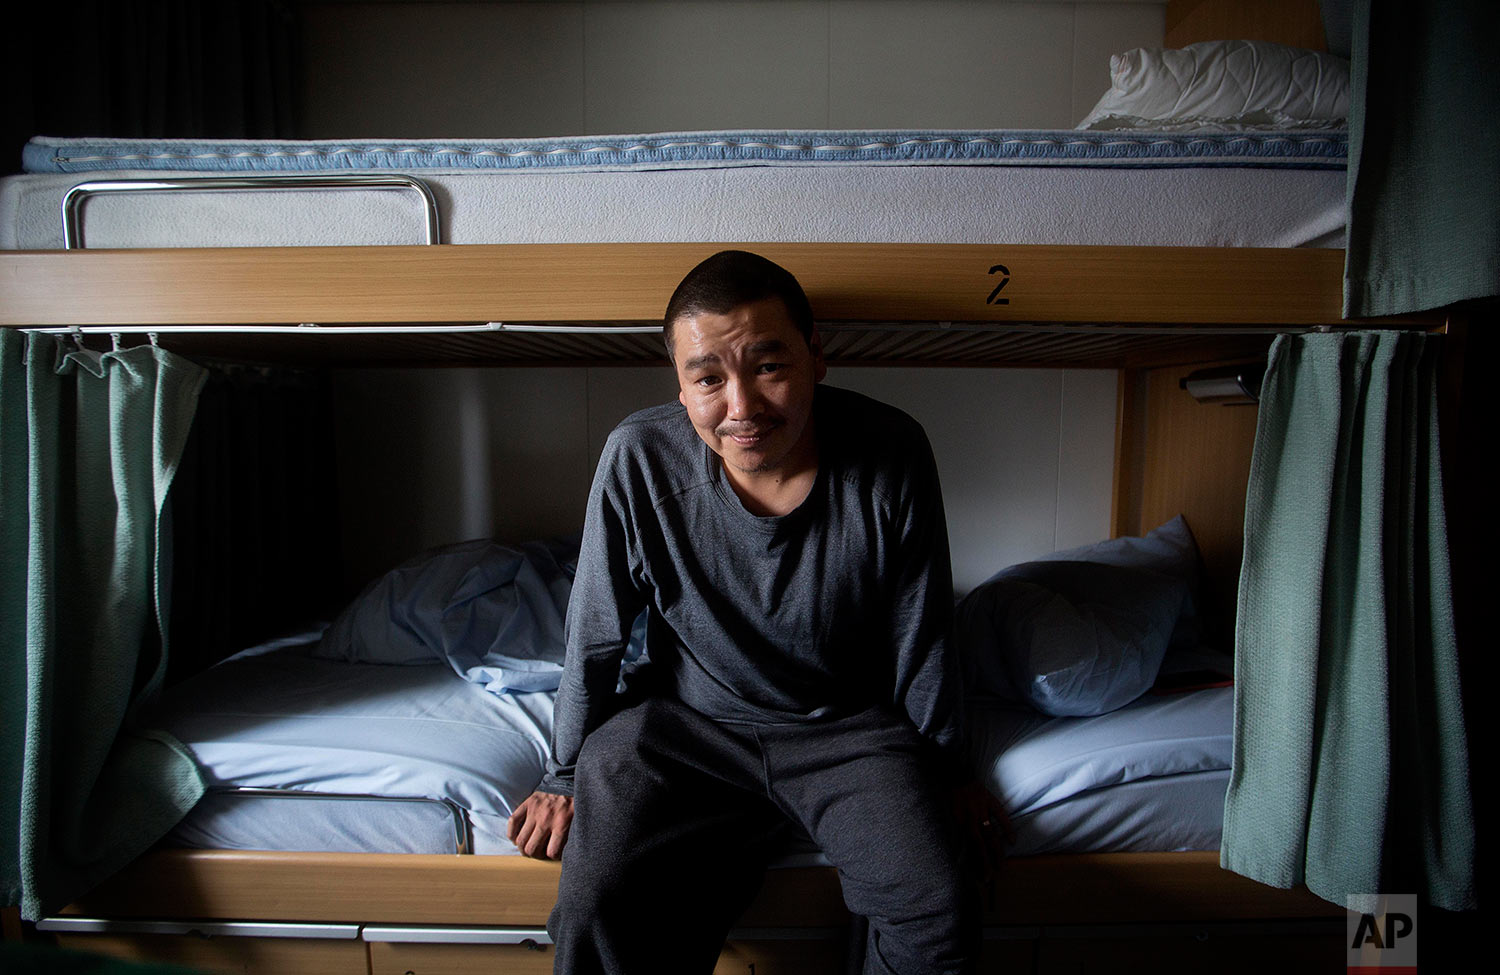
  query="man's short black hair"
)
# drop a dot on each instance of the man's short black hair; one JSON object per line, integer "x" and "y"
{"x": 729, "y": 279}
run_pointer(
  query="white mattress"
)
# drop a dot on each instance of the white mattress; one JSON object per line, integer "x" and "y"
{"x": 1148, "y": 777}
{"x": 1163, "y": 190}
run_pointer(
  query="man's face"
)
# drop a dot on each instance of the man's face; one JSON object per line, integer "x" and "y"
{"x": 747, "y": 380}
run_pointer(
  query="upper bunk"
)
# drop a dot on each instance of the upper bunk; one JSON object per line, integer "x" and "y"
{"x": 1100, "y": 249}
{"x": 1197, "y": 210}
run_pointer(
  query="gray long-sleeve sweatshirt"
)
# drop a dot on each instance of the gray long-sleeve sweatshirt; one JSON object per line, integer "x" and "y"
{"x": 838, "y": 606}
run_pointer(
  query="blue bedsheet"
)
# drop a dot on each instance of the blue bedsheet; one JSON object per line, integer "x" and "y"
{"x": 284, "y": 720}
{"x": 1150, "y": 776}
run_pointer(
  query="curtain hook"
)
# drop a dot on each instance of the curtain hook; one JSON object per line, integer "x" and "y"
{"x": 77, "y": 334}
{"x": 114, "y": 340}
{"x": 151, "y": 337}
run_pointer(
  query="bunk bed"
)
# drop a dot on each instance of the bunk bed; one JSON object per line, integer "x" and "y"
{"x": 1154, "y": 312}
{"x": 1172, "y": 310}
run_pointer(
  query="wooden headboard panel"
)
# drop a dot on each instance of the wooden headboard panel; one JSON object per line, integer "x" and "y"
{"x": 1295, "y": 22}
{"x": 1174, "y": 456}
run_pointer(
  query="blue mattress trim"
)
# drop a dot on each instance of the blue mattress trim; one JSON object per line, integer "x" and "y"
{"x": 1298, "y": 150}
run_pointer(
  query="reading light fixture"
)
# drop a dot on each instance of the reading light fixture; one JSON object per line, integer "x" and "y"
{"x": 1226, "y": 385}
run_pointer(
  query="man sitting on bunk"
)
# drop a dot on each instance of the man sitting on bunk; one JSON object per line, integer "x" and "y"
{"x": 795, "y": 572}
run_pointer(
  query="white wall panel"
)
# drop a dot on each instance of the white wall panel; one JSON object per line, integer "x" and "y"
{"x": 950, "y": 64}
{"x": 996, "y": 434}
{"x": 1085, "y": 460}
{"x": 494, "y": 70}
{"x": 432, "y": 456}
{"x": 1102, "y": 29}
{"x": 442, "y": 70}
{"x": 663, "y": 67}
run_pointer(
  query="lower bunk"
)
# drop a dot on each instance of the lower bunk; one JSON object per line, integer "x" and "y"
{"x": 479, "y": 907}
{"x": 396, "y": 730}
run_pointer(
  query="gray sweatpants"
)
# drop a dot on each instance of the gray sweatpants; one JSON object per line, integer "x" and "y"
{"x": 676, "y": 816}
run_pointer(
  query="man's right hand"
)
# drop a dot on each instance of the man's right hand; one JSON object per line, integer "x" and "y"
{"x": 539, "y": 826}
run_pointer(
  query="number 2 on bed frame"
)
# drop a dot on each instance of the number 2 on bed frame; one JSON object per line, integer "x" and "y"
{"x": 994, "y": 298}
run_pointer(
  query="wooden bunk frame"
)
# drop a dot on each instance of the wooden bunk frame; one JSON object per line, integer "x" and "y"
{"x": 1153, "y": 313}
{"x": 624, "y": 283}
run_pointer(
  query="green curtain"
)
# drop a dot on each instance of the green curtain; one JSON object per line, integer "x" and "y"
{"x": 88, "y": 446}
{"x": 1350, "y": 760}
{"x": 1424, "y": 156}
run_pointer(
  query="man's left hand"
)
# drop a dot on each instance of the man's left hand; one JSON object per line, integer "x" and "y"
{"x": 981, "y": 817}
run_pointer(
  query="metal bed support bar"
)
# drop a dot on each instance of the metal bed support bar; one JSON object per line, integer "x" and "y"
{"x": 433, "y": 934}
{"x": 213, "y": 929}
{"x": 73, "y": 200}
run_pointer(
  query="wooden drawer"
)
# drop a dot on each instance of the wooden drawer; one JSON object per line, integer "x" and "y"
{"x": 395, "y": 958}
{"x": 740, "y": 957}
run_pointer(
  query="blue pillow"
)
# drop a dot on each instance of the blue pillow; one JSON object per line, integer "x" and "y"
{"x": 491, "y": 612}
{"x": 1068, "y": 638}
{"x": 1168, "y": 549}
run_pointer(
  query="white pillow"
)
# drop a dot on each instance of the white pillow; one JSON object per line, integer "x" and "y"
{"x": 1224, "y": 84}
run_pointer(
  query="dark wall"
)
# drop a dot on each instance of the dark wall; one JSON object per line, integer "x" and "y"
{"x": 150, "y": 69}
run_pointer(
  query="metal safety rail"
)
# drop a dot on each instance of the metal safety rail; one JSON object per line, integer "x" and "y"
{"x": 74, "y": 199}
